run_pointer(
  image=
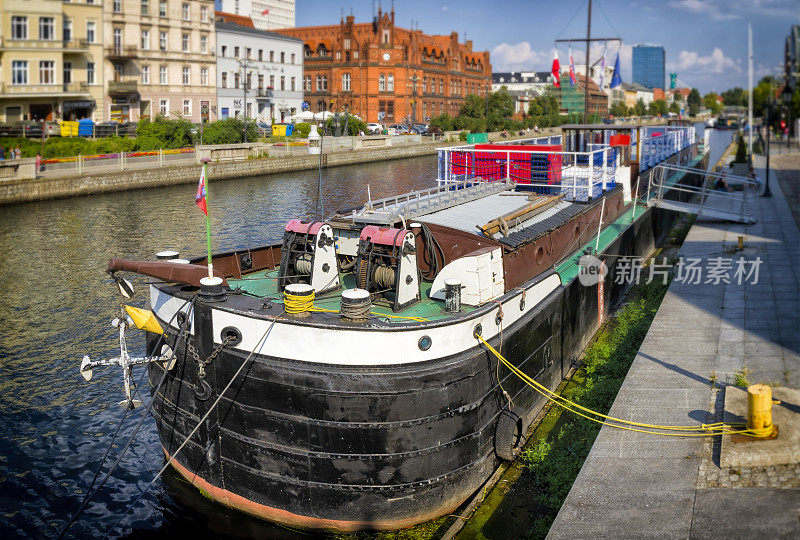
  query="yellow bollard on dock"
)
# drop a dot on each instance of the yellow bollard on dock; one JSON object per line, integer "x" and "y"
{"x": 759, "y": 410}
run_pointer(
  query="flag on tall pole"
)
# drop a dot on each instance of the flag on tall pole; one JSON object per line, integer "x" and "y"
{"x": 556, "y": 70}
{"x": 201, "y": 200}
{"x": 571, "y": 69}
{"x": 602, "y": 71}
{"x": 616, "y": 79}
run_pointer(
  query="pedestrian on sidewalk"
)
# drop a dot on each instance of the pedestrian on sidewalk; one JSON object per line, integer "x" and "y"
{"x": 17, "y": 152}
{"x": 2, "y": 153}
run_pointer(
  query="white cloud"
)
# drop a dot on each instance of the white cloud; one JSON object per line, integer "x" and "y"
{"x": 737, "y": 9}
{"x": 715, "y": 63}
{"x": 706, "y": 7}
{"x": 445, "y": 8}
{"x": 520, "y": 57}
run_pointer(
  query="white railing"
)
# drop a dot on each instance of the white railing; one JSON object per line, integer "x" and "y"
{"x": 577, "y": 176}
{"x": 656, "y": 149}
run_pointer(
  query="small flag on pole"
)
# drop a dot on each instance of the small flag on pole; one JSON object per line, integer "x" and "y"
{"x": 556, "y": 71}
{"x": 200, "y": 198}
{"x": 616, "y": 79}
{"x": 571, "y": 69}
{"x": 265, "y": 12}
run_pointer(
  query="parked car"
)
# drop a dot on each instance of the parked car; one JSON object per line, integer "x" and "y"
{"x": 374, "y": 128}
{"x": 29, "y": 128}
{"x": 399, "y": 129}
{"x": 264, "y": 130}
{"x": 53, "y": 129}
{"x": 417, "y": 128}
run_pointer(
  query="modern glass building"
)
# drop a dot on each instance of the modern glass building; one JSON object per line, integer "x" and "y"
{"x": 648, "y": 65}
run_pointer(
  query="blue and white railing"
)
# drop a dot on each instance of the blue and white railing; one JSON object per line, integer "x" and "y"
{"x": 657, "y": 149}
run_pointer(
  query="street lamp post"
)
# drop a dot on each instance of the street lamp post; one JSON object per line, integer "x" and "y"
{"x": 787, "y": 100}
{"x": 244, "y": 65}
{"x": 767, "y": 192}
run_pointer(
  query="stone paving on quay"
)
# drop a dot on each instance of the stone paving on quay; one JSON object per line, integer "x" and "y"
{"x": 704, "y": 336}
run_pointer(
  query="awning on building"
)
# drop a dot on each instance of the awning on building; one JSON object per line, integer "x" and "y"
{"x": 69, "y": 105}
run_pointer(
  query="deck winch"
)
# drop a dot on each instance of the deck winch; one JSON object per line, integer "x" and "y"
{"x": 308, "y": 256}
{"x": 387, "y": 263}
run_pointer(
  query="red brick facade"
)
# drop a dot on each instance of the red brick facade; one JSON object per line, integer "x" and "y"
{"x": 403, "y": 73}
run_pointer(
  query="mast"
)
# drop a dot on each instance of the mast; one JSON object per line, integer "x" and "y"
{"x": 750, "y": 93}
{"x": 586, "y": 73}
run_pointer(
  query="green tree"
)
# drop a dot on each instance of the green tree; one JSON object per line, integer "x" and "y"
{"x": 695, "y": 101}
{"x": 229, "y": 131}
{"x": 619, "y": 109}
{"x": 674, "y": 107}
{"x": 710, "y": 102}
{"x": 640, "y": 108}
{"x": 443, "y": 122}
{"x": 741, "y": 150}
{"x": 474, "y": 107}
{"x": 735, "y": 97}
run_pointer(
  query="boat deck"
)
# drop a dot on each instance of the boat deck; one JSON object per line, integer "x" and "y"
{"x": 265, "y": 284}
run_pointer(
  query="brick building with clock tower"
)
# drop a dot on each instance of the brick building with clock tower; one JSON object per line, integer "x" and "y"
{"x": 377, "y": 67}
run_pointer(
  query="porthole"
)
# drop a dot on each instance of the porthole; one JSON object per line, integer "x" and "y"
{"x": 539, "y": 255}
{"x": 424, "y": 343}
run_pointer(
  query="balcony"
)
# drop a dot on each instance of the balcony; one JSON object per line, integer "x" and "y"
{"x": 33, "y": 90}
{"x": 264, "y": 93}
{"x": 123, "y": 87}
{"x": 76, "y": 88}
{"x": 76, "y": 45}
{"x": 122, "y": 53}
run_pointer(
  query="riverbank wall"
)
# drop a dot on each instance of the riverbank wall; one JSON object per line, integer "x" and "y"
{"x": 35, "y": 189}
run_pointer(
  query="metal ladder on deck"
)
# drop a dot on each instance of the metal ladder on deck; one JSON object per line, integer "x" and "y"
{"x": 414, "y": 204}
{"x": 701, "y": 200}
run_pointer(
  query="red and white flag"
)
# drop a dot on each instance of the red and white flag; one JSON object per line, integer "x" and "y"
{"x": 556, "y": 71}
{"x": 200, "y": 198}
{"x": 571, "y": 69}
{"x": 265, "y": 12}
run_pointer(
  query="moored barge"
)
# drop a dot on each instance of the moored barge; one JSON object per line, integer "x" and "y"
{"x": 337, "y": 374}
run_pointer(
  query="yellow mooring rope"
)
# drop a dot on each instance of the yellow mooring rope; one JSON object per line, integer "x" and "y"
{"x": 710, "y": 430}
{"x": 295, "y": 304}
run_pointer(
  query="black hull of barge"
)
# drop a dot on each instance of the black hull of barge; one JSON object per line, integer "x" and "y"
{"x": 368, "y": 448}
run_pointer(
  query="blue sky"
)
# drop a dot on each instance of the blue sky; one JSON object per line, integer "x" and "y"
{"x": 705, "y": 40}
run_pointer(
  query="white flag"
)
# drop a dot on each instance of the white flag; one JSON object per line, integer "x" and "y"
{"x": 602, "y": 71}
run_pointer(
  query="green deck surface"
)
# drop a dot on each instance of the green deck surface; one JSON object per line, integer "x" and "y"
{"x": 265, "y": 284}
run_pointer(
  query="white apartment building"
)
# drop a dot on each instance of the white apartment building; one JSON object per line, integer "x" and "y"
{"x": 259, "y": 73}
{"x": 159, "y": 59}
{"x": 266, "y": 14}
{"x": 527, "y": 82}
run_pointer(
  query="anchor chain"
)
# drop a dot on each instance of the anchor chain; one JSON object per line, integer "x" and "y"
{"x": 205, "y": 393}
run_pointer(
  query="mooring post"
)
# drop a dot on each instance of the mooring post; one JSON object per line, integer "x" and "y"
{"x": 759, "y": 410}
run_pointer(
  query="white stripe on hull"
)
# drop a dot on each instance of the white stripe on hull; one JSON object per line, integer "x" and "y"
{"x": 359, "y": 347}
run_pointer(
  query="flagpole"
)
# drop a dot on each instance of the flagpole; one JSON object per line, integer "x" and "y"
{"x": 208, "y": 218}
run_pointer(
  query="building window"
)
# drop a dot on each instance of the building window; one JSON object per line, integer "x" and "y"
{"x": 272, "y": 81}
{"x": 308, "y": 83}
{"x": 162, "y": 75}
{"x": 204, "y": 44}
{"x": 67, "y": 31}
{"x": 185, "y": 42}
{"x": 145, "y": 40}
{"x": 293, "y": 85}
{"x": 187, "y": 107}
{"x": 441, "y": 86}
{"x": 224, "y": 80}
{"x": 236, "y": 52}
{"x": 163, "y": 107}
{"x": 260, "y": 55}
{"x": 271, "y": 56}
{"x": 118, "y": 40}
{"x": 67, "y": 72}
{"x": 355, "y": 54}
{"x": 249, "y": 53}
{"x": 346, "y": 43}
{"x": 390, "y": 83}
{"x": 89, "y": 72}
{"x": 19, "y": 72}
{"x": 424, "y": 85}
{"x": 203, "y": 13}
{"x": 186, "y": 77}
{"x": 19, "y": 27}
{"x": 185, "y": 12}
{"x": 260, "y": 81}
{"x": 162, "y": 8}
{"x": 117, "y": 72}
{"x": 346, "y": 82}
{"x": 324, "y": 83}
{"x": 382, "y": 83}
{"x": 249, "y": 80}
{"x": 293, "y": 58}
{"x": 47, "y": 72}
{"x": 236, "y": 80}
{"x": 145, "y": 7}
{"x": 283, "y": 58}
{"x": 385, "y": 36}
{"x": 224, "y": 51}
{"x": 47, "y": 28}
{"x": 319, "y": 83}
{"x": 283, "y": 82}
{"x": 117, "y": 6}
{"x": 162, "y": 41}
{"x": 145, "y": 74}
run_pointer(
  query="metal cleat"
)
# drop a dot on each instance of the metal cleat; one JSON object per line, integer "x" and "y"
{"x": 126, "y": 362}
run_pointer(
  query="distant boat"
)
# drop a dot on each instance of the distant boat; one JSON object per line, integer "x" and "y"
{"x": 711, "y": 122}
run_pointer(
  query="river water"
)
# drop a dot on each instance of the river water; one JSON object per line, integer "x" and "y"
{"x": 56, "y": 305}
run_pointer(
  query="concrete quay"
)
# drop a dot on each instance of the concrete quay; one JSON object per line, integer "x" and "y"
{"x": 635, "y": 485}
